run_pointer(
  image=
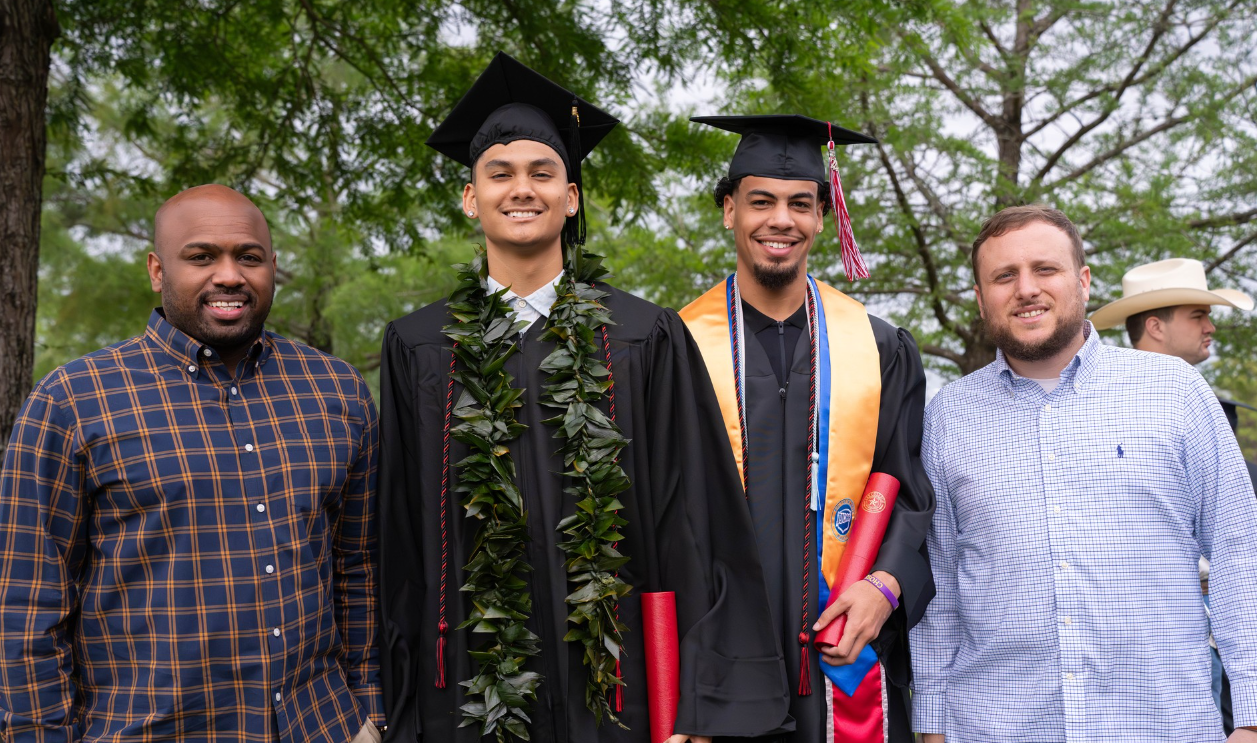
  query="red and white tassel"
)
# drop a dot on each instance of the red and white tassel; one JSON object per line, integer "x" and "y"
{"x": 443, "y": 629}
{"x": 852, "y": 261}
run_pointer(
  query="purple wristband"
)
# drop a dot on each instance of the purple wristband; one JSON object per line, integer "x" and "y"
{"x": 890, "y": 596}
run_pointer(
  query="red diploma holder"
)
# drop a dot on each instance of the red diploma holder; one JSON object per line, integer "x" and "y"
{"x": 857, "y": 560}
{"x": 663, "y": 666}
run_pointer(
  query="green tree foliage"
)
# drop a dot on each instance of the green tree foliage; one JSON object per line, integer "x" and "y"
{"x": 1135, "y": 118}
{"x": 318, "y": 111}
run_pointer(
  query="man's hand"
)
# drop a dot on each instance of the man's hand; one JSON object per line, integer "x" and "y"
{"x": 931, "y": 738}
{"x": 690, "y": 738}
{"x": 1243, "y": 735}
{"x": 866, "y": 609}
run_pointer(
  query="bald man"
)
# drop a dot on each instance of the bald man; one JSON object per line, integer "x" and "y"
{"x": 187, "y": 519}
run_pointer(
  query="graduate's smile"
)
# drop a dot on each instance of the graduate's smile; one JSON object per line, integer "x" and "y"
{"x": 522, "y": 213}
{"x": 777, "y": 245}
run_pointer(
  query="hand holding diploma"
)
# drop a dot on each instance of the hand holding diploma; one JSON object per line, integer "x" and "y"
{"x": 866, "y": 610}
{"x": 858, "y": 609}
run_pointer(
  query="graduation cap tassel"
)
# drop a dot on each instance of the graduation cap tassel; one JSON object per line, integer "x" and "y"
{"x": 574, "y": 228}
{"x": 805, "y": 672}
{"x": 619, "y": 688}
{"x": 852, "y": 261}
{"x": 440, "y": 656}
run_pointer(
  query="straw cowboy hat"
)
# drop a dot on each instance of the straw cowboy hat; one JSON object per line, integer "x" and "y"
{"x": 1165, "y": 284}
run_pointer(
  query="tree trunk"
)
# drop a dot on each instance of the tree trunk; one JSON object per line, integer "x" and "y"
{"x": 27, "y": 30}
{"x": 980, "y": 351}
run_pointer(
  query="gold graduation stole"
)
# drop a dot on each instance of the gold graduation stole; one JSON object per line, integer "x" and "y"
{"x": 848, "y": 391}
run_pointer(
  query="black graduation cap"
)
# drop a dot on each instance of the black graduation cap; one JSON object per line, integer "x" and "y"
{"x": 509, "y": 102}
{"x": 785, "y": 146}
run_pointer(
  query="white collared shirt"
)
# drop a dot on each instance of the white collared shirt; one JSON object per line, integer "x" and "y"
{"x": 532, "y": 307}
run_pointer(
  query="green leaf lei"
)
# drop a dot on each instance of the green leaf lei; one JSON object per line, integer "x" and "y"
{"x": 485, "y": 338}
{"x": 591, "y": 450}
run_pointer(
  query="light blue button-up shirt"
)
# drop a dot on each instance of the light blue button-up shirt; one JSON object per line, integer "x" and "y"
{"x": 531, "y": 308}
{"x": 1065, "y": 549}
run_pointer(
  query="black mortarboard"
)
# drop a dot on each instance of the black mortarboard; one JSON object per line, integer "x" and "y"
{"x": 782, "y": 146}
{"x": 788, "y": 147}
{"x": 509, "y": 102}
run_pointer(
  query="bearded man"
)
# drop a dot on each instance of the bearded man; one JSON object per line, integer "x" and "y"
{"x": 817, "y": 394}
{"x": 188, "y": 518}
{"x": 1078, "y": 483}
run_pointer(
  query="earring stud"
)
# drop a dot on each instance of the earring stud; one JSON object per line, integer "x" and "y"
{"x": 471, "y": 214}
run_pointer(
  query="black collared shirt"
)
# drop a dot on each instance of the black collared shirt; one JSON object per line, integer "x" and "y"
{"x": 777, "y": 337}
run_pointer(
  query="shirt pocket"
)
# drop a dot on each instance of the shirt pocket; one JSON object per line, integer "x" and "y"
{"x": 130, "y": 463}
{"x": 1131, "y": 487}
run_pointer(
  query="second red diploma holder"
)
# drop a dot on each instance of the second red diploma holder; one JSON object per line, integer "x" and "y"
{"x": 857, "y": 559}
{"x": 663, "y": 666}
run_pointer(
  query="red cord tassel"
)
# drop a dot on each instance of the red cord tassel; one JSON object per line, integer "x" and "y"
{"x": 619, "y": 688}
{"x": 443, "y": 628}
{"x": 805, "y": 667}
{"x": 852, "y": 261}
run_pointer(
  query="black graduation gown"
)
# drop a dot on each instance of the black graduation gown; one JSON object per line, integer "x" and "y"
{"x": 688, "y": 531}
{"x": 778, "y": 451}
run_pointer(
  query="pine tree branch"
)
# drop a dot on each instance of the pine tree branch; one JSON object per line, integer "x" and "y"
{"x": 1225, "y": 220}
{"x": 943, "y": 353}
{"x": 922, "y": 245}
{"x": 990, "y": 34}
{"x": 1158, "y": 30}
{"x": 951, "y": 85}
{"x": 1228, "y": 255}
{"x": 1164, "y": 126}
{"x": 1152, "y": 72}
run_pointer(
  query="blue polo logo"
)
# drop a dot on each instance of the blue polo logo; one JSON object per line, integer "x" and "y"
{"x": 842, "y": 519}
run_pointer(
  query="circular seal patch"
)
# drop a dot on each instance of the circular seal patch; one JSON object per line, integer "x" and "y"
{"x": 841, "y": 523}
{"x": 874, "y": 502}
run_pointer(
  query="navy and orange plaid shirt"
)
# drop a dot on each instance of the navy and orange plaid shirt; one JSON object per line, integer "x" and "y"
{"x": 187, "y": 552}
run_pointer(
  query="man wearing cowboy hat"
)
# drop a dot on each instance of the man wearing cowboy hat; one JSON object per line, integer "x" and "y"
{"x": 1166, "y": 307}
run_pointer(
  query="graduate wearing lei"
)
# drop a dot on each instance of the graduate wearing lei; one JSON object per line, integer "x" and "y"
{"x": 552, "y": 449}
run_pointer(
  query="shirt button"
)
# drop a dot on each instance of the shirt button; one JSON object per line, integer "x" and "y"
{"x": 1051, "y": 456}
{"x": 233, "y": 390}
{"x": 1068, "y": 676}
{"x": 1066, "y": 620}
{"x": 270, "y": 568}
{"x": 1064, "y": 565}
{"x": 1047, "y": 408}
{"x": 261, "y": 508}
{"x": 191, "y": 369}
{"x": 248, "y": 447}
{"x": 278, "y": 696}
{"x": 275, "y": 632}
{"x": 1056, "y": 509}
{"x": 207, "y": 353}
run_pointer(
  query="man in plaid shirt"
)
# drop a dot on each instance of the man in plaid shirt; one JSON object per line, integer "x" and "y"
{"x": 187, "y": 519}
